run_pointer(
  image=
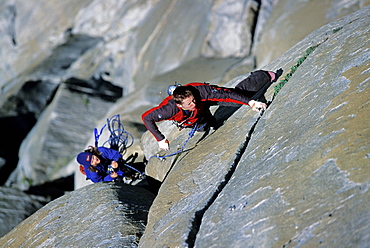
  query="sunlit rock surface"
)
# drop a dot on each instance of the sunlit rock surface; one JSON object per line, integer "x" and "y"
{"x": 289, "y": 21}
{"x": 139, "y": 47}
{"x": 296, "y": 176}
{"x": 30, "y": 30}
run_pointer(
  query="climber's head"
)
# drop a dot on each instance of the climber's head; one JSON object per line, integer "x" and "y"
{"x": 87, "y": 159}
{"x": 185, "y": 97}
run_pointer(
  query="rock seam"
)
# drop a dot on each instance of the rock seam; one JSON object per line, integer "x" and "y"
{"x": 197, "y": 221}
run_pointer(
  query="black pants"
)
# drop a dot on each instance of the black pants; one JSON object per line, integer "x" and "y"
{"x": 247, "y": 87}
{"x": 253, "y": 83}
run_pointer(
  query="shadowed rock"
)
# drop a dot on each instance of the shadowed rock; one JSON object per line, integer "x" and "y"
{"x": 98, "y": 215}
{"x": 15, "y": 206}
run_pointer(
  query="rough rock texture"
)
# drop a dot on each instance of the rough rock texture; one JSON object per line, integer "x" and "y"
{"x": 30, "y": 30}
{"x": 98, "y": 215}
{"x": 15, "y": 206}
{"x": 295, "y": 176}
{"x": 137, "y": 46}
{"x": 289, "y": 21}
{"x": 44, "y": 160}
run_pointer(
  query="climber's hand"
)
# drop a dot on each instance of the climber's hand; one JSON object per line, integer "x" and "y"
{"x": 164, "y": 144}
{"x": 257, "y": 106}
{"x": 114, "y": 164}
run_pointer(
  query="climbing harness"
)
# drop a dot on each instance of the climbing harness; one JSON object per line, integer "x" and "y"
{"x": 191, "y": 134}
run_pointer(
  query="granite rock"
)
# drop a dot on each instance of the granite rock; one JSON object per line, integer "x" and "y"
{"x": 297, "y": 175}
{"x": 15, "y": 206}
{"x": 97, "y": 215}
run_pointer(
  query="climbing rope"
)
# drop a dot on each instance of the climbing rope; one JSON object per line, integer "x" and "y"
{"x": 142, "y": 174}
{"x": 191, "y": 134}
{"x": 98, "y": 134}
{"x": 118, "y": 139}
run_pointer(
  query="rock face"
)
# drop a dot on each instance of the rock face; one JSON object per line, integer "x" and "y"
{"x": 296, "y": 175}
{"x": 137, "y": 46}
{"x": 289, "y": 21}
{"x": 98, "y": 215}
{"x": 17, "y": 206}
{"x": 64, "y": 69}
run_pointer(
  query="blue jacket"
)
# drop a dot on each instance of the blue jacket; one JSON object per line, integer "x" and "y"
{"x": 104, "y": 169}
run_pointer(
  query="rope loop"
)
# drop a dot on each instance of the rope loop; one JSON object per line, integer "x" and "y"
{"x": 119, "y": 139}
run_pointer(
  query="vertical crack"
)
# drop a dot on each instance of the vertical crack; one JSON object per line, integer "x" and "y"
{"x": 197, "y": 221}
{"x": 256, "y": 12}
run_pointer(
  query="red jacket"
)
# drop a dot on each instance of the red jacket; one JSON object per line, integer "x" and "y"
{"x": 168, "y": 110}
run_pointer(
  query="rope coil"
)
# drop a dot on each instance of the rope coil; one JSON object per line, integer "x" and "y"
{"x": 118, "y": 140}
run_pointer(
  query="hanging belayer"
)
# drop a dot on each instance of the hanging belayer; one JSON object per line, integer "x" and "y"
{"x": 102, "y": 164}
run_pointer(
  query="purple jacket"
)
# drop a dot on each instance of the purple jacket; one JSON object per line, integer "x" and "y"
{"x": 103, "y": 174}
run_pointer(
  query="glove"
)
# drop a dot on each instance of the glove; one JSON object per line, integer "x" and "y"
{"x": 164, "y": 144}
{"x": 257, "y": 106}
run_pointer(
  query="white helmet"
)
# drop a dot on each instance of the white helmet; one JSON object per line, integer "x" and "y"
{"x": 171, "y": 88}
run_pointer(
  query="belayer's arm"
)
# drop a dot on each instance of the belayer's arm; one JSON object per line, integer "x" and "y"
{"x": 94, "y": 176}
{"x": 110, "y": 154}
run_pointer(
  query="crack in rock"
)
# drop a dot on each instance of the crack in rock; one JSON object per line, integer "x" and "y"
{"x": 197, "y": 221}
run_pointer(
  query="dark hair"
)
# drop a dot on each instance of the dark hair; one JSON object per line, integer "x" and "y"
{"x": 94, "y": 151}
{"x": 182, "y": 92}
{"x": 92, "y": 169}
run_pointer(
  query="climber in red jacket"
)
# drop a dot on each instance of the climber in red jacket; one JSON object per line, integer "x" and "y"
{"x": 190, "y": 104}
